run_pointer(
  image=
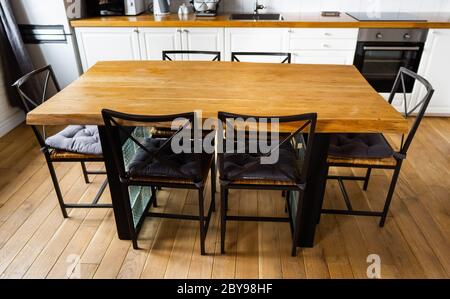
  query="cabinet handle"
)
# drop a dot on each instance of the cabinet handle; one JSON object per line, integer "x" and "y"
{"x": 136, "y": 30}
{"x": 326, "y": 46}
{"x": 179, "y": 30}
{"x": 186, "y": 31}
{"x": 291, "y": 31}
{"x": 327, "y": 34}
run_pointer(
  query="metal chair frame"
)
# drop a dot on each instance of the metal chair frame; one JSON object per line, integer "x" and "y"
{"x": 29, "y": 104}
{"x": 287, "y": 59}
{"x": 399, "y": 156}
{"x": 165, "y": 54}
{"x": 300, "y": 185}
{"x": 116, "y": 132}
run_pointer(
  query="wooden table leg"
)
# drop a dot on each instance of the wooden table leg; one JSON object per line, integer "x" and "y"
{"x": 118, "y": 193}
{"x": 315, "y": 191}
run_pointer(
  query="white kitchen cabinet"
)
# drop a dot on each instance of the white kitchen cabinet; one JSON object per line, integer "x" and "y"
{"x": 256, "y": 40}
{"x": 323, "y": 45}
{"x": 155, "y": 40}
{"x": 202, "y": 39}
{"x": 102, "y": 44}
{"x": 435, "y": 66}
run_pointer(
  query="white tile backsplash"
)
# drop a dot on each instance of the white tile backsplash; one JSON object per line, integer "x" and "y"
{"x": 296, "y": 6}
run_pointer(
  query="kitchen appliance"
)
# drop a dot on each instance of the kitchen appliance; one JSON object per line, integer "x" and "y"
{"x": 115, "y": 7}
{"x": 48, "y": 36}
{"x": 381, "y": 52}
{"x": 161, "y": 7}
{"x": 385, "y": 17}
{"x": 134, "y": 7}
{"x": 205, "y": 8}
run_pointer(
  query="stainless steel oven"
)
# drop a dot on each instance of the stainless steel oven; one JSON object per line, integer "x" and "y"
{"x": 381, "y": 52}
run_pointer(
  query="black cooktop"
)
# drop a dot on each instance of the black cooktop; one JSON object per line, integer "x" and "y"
{"x": 384, "y": 16}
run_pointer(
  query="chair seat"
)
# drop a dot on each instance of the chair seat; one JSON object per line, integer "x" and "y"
{"x": 238, "y": 168}
{"x": 83, "y": 140}
{"x": 167, "y": 166}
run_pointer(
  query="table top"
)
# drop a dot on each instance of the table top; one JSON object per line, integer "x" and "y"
{"x": 343, "y": 99}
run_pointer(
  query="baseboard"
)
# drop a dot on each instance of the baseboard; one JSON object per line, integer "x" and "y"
{"x": 11, "y": 122}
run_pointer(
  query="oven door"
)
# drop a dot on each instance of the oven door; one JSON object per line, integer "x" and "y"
{"x": 380, "y": 62}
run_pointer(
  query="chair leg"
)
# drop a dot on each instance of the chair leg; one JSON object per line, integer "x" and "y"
{"x": 85, "y": 174}
{"x": 57, "y": 189}
{"x": 366, "y": 181}
{"x": 155, "y": 199}
{"x": 223, "y": 218}
{"x": 213, "y": 186}
{"x": 135, "y": 243}
{"x": 201, "y": 204}
{"x": 390, "y": 194}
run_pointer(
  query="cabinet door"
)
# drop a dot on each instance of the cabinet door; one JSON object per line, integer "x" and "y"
{"x": 156, "y": 40}
{"x": 434, "y": 66}
{"x": 323, "y": 57}
{"x": 101, "y": 44}
{"x": 256, "y": 40}
{"x": 202, "y": 39}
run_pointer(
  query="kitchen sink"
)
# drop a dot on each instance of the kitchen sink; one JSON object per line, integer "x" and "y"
{"x": 256, "y": 17}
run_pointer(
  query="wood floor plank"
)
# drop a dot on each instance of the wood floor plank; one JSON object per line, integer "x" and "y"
{"x": 201, "y": 266}
{"x": 42, "y": 233}
{"x": 135, "y": 260}
{"x": 224, "y": 266}
{"x": 247, "y": 261}
{"x": 269, "y": 250}
{"x": 49, "y": 255}
{"x": 158, "y": 257}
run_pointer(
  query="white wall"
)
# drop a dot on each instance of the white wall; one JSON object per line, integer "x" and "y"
{"x": 9, "y": 117}
{"x": 341, "y": 5}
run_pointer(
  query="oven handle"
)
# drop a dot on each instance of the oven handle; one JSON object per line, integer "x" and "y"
{"x": 366, "y": 48}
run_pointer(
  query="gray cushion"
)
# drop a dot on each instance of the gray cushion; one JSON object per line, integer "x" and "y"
{"x": 359, "y": 146}
{"x": 77, "y": 139}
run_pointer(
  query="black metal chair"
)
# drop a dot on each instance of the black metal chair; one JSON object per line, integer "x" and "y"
{"x": 374, "y": 151}
{"x": 145, "y": 158}
{"x": 166, "y": 54}
{"x": 53, "y": 154}
{"x": 285, "y": 56}
{"x": 242, "y": 167}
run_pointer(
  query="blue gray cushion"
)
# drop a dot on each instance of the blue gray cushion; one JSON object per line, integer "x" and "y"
{"x": 168, "y": 164}
{"x": 77, "y": 139}
{"x": 238, "y": 166}
{"x": 359, "y": 146}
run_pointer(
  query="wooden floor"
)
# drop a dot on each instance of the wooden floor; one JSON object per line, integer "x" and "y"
{"x": 36, "y": 242}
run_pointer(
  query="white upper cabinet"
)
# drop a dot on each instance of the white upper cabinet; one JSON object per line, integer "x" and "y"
{"x": 435, "y": 66}
{"x": 155, "y": 40}
{"x": 256, "y": 40}
{"x": 323, "y": 45}
{"x": 102, "y": 44}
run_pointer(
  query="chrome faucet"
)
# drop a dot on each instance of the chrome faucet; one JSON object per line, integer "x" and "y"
{"x": 258, "y": 7}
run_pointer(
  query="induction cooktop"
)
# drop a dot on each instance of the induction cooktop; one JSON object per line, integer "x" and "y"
{"x": 384, "y": 16}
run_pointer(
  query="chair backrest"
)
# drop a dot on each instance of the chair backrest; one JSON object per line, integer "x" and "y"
{"x": 286, "y": 57}
{"x": 215, "y": 55}
{"x": 42, "y": 77}
{"x": 296, "y": 130}
{"x": 126, "y": 133}
{"x": 420, "y": 107}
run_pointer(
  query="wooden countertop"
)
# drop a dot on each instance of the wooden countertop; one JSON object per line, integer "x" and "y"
{"x": 343, "y": 99}
{"x": 302, "y": 20}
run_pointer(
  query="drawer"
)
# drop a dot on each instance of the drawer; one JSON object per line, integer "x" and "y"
{"x": 324, "y": 33}
{"x": 322, "y": 44}
{"x": 323, "y": 57}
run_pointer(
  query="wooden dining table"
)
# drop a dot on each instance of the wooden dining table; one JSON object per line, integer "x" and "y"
{"x": 339, "y": 94}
